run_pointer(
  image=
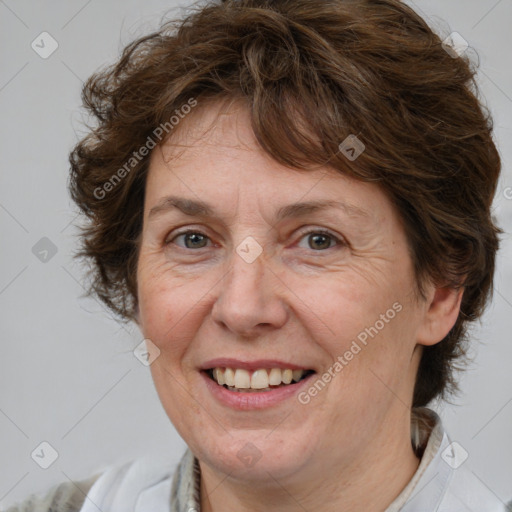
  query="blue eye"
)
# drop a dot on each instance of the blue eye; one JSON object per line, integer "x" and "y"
{"x": 192, "y": 239}
{"x": 319, "y": 239}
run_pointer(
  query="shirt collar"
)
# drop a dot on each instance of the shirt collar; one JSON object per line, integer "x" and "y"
{"x": 425, "y": 488}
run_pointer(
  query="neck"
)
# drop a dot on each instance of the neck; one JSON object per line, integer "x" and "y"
{"x": 370, "y": 482}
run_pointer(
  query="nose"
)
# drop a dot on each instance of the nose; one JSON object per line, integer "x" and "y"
{"x": 250, "y": 302}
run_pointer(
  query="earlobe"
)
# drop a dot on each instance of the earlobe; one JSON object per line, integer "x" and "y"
{"x": 441, "y": 312}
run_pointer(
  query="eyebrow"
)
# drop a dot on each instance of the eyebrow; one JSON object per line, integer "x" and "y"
{"x": 197, "y": 208}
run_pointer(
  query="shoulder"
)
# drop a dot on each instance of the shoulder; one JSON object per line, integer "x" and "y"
{"x": 460, "y": 486}
{"x": 465, "y": 490}
{"x": 146, "y": 482}
{"x": 63, "y": 497}
{"x": 445, "y": 480}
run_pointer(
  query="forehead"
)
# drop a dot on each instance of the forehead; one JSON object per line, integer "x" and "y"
{"x": 213, "y": 158}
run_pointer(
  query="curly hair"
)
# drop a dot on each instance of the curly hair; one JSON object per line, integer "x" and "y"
{"x": 311, "y": 73}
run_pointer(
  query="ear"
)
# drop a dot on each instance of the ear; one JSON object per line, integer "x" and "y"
{"x": 441, "y": 312}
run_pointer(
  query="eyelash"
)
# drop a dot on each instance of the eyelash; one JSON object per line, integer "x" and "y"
{"x": 318, "y": 231}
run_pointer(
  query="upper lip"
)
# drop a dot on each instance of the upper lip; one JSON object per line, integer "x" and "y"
{"x": 229, "y": 362}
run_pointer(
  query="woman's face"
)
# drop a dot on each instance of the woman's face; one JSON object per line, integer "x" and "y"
{"x": 261, "y": 283}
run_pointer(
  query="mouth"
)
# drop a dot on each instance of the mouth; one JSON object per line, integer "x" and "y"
{"x": 261, "y": 380}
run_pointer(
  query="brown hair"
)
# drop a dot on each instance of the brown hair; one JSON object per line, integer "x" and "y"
{"x": 311, "y": 73}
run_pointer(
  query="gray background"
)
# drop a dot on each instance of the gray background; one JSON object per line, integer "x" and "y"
{"x": 68, "y": 375}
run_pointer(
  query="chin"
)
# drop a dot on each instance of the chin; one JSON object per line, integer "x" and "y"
{"x": 254, "y": 455}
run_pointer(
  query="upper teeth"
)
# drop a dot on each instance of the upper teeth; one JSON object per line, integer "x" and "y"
{"x": 260, "y": 379}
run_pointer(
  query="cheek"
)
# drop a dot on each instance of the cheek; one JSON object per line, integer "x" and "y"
{"x": 369, "y": 325}
{"x": 338, "y": 308}
{"x": 170, "y": 307}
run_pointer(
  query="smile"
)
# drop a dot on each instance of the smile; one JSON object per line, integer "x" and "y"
{"x": 260, "y": 380}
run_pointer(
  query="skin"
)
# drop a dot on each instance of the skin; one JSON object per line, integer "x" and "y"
{"x": 300, "y": 301}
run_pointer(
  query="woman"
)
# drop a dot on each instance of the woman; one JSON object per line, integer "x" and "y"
{"x": 228, "y": 146}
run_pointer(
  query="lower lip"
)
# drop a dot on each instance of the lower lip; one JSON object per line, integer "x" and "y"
{"x": 253, "y": 400}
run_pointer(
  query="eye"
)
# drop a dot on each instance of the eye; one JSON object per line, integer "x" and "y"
{"x": 320, "y": 239}
{"x": 192, "y": 239}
